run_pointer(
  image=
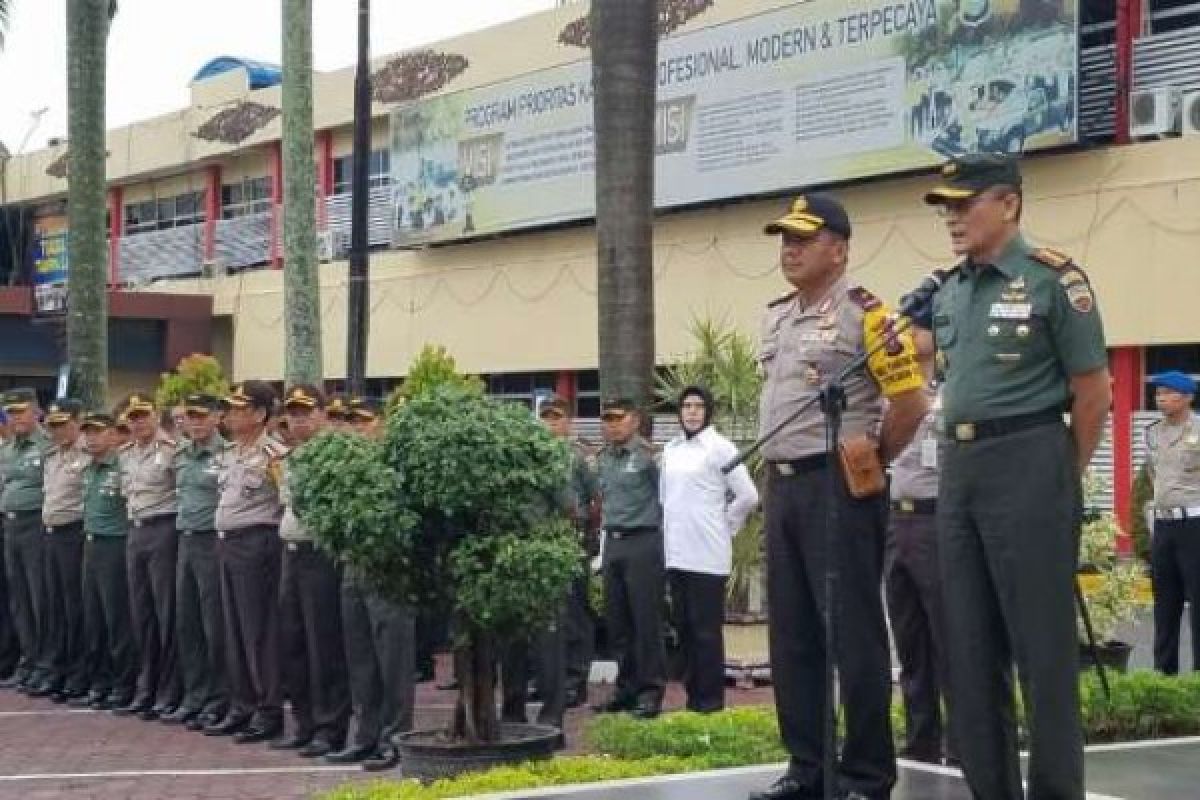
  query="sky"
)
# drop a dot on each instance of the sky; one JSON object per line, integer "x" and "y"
{"x": 156, "y": 46}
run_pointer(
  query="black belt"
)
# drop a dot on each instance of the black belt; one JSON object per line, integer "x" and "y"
{"x": 197, "y": 532}
{"x": 798, "y": 465}
{"x": 23, "y": 513}
{"x": 916, "y": 505}
{"x": 974, "y": 431}
{"x": 296, "y": 545}
{"x": 142, "y": 522}
{"x": 70, "y": 527}
{"x": 637, "y": 530}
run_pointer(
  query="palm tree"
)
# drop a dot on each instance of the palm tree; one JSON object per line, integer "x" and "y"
{"x": 301, "y": 287}
{"x": 624, "y": 53}
{"x": 4, "y": 9}
{"x": 87, "y": 250}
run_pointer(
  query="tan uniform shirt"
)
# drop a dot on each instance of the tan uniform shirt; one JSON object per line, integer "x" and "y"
{"x": 804, "y": 346}
{"x": 1174, "y": 452}
{"x": 290, "y": 527}
{"x": 915, "y": 470}
{"x": 248, "y": 485}
{"x": 148, "y": 477}
{"x": 62, "y": 501}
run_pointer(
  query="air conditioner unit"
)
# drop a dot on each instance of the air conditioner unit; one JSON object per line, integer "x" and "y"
{"x": 213, "y": 268}
{"x": 1191, "y": 114}
{"x": 1154, "y": 112}
{"x": 325, "y": 245}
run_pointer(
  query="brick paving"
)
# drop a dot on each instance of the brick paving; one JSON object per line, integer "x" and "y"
{"x": 49, "y": 751}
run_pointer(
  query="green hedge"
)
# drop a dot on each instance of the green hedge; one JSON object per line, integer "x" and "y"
{"x": 1144, "y": 705}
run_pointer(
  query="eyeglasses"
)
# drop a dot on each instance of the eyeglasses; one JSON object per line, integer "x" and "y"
{"x": 614, "y": 416}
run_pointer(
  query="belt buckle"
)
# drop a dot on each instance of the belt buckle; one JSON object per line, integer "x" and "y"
{"x": 908, "y": 506}
{"x": 964, "y": 431}
{"x": 220, "y": 534}
{"x": 91, "y": 537}
{"x": 49, "y": 530}
{"x": 10, "y": 515}
{"x": 785, "y": 469}
{"x": 293, "y": 546}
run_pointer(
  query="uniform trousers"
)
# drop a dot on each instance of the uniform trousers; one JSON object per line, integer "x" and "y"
{"x": 380, "y": 648}
{"x": 10, "y": 645}
{"x": 634, "y": 586}
{"x": 24, "y": 560}
{"x": 63, "y": 626}
{"x": 545, "y": 655}
{"x": 200, "y": 625}
{"x": 1009, "y": 509}
{"x": 314, "y": 671}
{"x": 797, "y": 559}
{"x": 1175, "y": 572}
{"x": 249, "y": 560}
{"x": 111, "y": 653}
{"x": 580, "y": 634}
{"x": 698, "y": 608}
{"x": 914, "y": 602}
{"x": 153, "y": 551}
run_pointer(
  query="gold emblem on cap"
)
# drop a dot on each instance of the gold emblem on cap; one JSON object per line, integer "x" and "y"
{"x": 950, "y": 169}
{"x": 297, "y": 393}
{"x": 800, "y": 204}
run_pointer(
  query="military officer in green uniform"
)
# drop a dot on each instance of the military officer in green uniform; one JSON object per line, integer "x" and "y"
{"x": 633, "y": 560}
{"x": 1020, "y": 342}
{"x": 21, "y": 504}
{"x": 112, "y": 655}
{"x": 199, "y": 626}
{"x": 62, "y": 514}
{"x": 10, "y": 646}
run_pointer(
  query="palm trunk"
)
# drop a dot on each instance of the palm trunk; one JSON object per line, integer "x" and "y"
{"x": 87, "y": 249}
{"x": 301, "y": 287}
{"x": 624, "y": 53}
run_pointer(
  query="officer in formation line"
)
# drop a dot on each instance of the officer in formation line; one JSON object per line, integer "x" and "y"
{"x": 1173, "y": 457}
{"x": 10, "y": 646}
{"x": 1020, "y": 341}
{"x": 808, "y": 337}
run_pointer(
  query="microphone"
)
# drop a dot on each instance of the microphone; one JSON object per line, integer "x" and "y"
{"x": 918, "y": 304}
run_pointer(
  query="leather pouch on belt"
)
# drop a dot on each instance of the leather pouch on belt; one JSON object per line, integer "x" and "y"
{"x": 861, "y": 466}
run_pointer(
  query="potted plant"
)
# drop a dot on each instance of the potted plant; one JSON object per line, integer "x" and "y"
{"x": 455, "y": 506}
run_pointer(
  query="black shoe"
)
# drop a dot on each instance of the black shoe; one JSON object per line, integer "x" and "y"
{"x": 449, "y": 686}
{"x": 296, "y": 741}
{"x": 353, "y": 754}
{"x": 615, "y": 705}
{"x": 386, "y": 757}
{"x": 150, "y": 714}
{"x": 11, "y": 682}
{"x": 258, "y": 733}
{"x": 46, "y": 689}
{"x": 320, "y": 746}
{"x": 646, "y": 711}
{"x": 134, "y": 708}
{"x": 227, "y": 726}
{"x": 576, "y": 698}
{"x": 86, "y": 699}
{"x": 787, "y": 788}
{"x": 201, "y": 721}
{"x": 180, "y": 716}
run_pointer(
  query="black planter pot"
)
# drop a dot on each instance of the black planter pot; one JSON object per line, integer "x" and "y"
{"x": 1113, "y": 655}
{"x": 428, "y": 756}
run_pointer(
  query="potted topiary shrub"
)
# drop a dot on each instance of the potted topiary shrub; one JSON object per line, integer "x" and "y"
{"x": 456, "y": 506}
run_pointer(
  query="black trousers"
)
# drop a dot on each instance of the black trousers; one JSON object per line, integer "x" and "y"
{"x": 380, "y": 648}
{"x": 153, "y": 551}
{"x": 63, "y": 627}
{"x": 698, "y": 611}
{"x": 249, "y": 566}
{"x": 1175, "y": 572}
{"x": 10, "y": 645}
{"x": 797, "y": 559}
{"x": 314, "y": 670}
{"x": 544, "y": 654}
{"x": 111, "y": 654}
{"x": 914, "y": 602}
{"x": 634, "y": 589}
{"x": 580, "y": 634}
{"x": 1008, "y": 515}
{"x": 24, "y": 557}
{"x": 200, "y": 626}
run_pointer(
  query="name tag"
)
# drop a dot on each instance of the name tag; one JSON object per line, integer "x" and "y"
{"x": 1011, "y": 310}
{"x": 823, "y": 336}
{"x": 929, "y": 453}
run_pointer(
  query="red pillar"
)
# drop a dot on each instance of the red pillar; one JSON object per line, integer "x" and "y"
{"x": 1127, "y": 388}
{"x": 564, "y": 386}
{"x": 324, "y": 176}
{"x": 1129, "y": 27}
{"x": 275, "y": 172}
{"x": 212, "y": 210}
{"x": 116, "y": 227}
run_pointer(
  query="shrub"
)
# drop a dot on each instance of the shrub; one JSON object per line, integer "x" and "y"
{"x": 195, "y": 374}
{"x": 736, "y": 736}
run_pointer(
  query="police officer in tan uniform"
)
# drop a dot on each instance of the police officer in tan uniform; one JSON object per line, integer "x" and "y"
{"x": 148, "y": 472}
{"x": 1173, "y": 450}
{"x": 808, "y": 336}
{"x": 62, "y": 514}
{"x": 248, "y": 551}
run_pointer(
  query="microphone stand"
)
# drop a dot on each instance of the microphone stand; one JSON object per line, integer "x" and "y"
{"x": 832, "y": 400}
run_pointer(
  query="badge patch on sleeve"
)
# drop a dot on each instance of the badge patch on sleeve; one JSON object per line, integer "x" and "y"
{"x": 1079, "y": 293}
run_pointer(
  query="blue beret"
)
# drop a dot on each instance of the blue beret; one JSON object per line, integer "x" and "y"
{"x": 1176, "y": 380}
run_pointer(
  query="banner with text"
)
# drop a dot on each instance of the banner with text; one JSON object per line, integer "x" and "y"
{"x": 814, "y": 93}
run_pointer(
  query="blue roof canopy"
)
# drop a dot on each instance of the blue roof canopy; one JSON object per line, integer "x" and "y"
{"x": 261, "y": 75}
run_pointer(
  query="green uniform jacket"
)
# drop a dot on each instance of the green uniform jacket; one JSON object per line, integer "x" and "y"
{"x": 628, "y": 476}
{"x": 1011, "y": 335}
{"x": 104, "y": 511}
{"x": 196, "y": 471}
{"x": 25, "y": 458}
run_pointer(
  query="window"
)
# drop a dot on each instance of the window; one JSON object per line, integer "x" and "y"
{"x": 249, "y": 196}
{"x": 587, "y": 393}
{"x": 520, "y": 387}
{"x": 165, "y": 212}
{"x": 379, "y": 171}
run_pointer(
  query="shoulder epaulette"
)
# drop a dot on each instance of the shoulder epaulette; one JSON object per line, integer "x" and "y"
{"x": 124, "y": 447}
{"x": 778, "y": 301}
{"x": 863, "y": 299}
{"x": 274, "y": 448}
{"x": 1051, "y": 258}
